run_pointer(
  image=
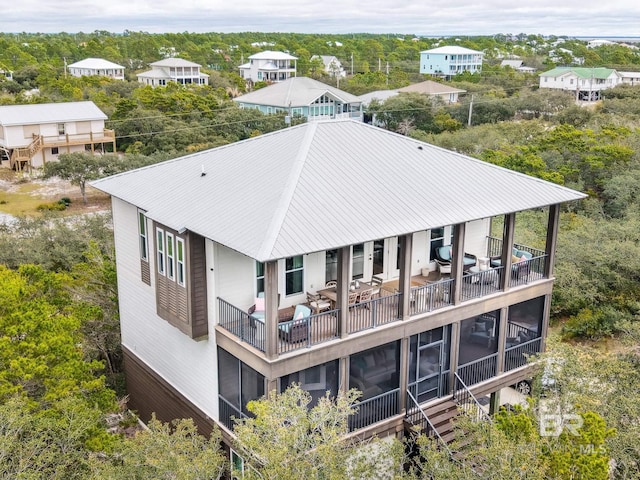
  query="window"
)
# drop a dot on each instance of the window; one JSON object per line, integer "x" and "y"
{"x": 259, "y": 277}
{"x": 171, "y": 264}
{"x": 54, "y": 151}
{"x": 61, "y": 130}
{"x": 180, "y": 259}
{"x": 142, "y": 230}
{"x": 160, "y": 250}
{"x": 294, "y": 275}
{"x": 317, "y": 380}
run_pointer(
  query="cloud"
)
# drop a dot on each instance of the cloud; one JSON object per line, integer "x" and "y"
{"x": 440, "y": 17}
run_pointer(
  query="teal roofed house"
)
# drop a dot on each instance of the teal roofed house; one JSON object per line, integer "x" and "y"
{"x": 587, "y": 83}
{"x": 306, "y": 97}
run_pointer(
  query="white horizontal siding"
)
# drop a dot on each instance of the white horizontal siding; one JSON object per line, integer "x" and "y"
{"x": 189, "y": 365}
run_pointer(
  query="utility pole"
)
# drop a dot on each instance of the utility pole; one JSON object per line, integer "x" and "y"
{"x": 65, "y": 66}
{"x": 379, "y": 64}
{"x": 352, "y": 64}
{"x": 470, "y": 110}
{"x": 387, "y": 74}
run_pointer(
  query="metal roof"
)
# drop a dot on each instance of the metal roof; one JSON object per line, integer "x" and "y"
{"x": 429, "y": 87}
{"x": 41, "y": 113}
{"x": 95, "y": 64}
{"x": 174, "y": 62}
{"x": 380, "y": 95}
{"x": 294, "y": 92}
{"x": 324, "y": 185}
{"x": 272, "y": 55}
{"x": 452, "y": 49}
{"x": 582, "y": 72}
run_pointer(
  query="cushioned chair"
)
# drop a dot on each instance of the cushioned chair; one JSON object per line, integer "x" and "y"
{"x": 296, "y": 330}
{"x": 317, "y": 303}
{"x": 482, "y": 332}
{"x": 519, "y": 262}
{"x": 443, "y": 258}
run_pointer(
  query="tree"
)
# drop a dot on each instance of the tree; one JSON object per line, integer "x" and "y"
{"x": 164, "y": 451}
{"x": 288, "y": 439}
{"x": 79, "y": 168}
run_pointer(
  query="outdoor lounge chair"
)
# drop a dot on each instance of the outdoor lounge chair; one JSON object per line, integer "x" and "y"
{"x": 443, "y": 257}
{"x": 296, "y": 330}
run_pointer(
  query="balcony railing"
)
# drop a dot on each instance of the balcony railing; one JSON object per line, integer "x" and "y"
{"x": 78, "y": 138}
{"x": 302, "y": 333}
{"x": 431, "y": 297}
{"x": 479, "y": 370}
{"x": 518, "y": 355}
{"x": 375, "y": 409}
{"x": 228, "y": 413}
{"x": 241, "y": 324}
{"x": 480, "y": 284}
{"x": 375, "y": 312}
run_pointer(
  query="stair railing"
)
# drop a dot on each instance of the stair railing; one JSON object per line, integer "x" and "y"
{"x": 429, "y": 430}
{"x": 465, "y": 398}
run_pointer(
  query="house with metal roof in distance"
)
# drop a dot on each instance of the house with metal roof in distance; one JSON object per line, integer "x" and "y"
{"x": 176, "y": 70}
{"x": 428, "y": 87}
{"x": 332, "y": 66}
{"x": 313, "y": 255}
{"x": 305, "y": 97}
{"x": 587, "y": 83}
{"x": 517, "y": 65}
{"x": 96, "y": 66}
{"x": 33, "y": 134}
{"x": 630, "y": 78}
{"x": 269, "y": 66}
{"x": 449, "y": 61}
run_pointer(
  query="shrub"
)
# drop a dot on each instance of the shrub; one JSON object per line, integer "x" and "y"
{"x": 66, "y": 201}
{"x": 52, "y": 207}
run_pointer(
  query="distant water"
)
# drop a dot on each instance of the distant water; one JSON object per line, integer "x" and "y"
{"x": 612, "y": 39}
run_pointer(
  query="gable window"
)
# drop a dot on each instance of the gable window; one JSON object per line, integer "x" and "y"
{"x": 180, "y": 261}
{"x": 142, "y": 230}
{"x": 294, "y": 275}
{"x": 160, "y": 250}
{"x": 171, "y": 265}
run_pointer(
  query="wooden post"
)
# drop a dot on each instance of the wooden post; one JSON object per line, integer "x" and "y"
{"x": 404, "y": 373}
{"x": 92, "y": 147}
{"x": 457, "y": 262}
{"x": 502, "y": 335}
{"x": 455, "y": 350}
{"x": 342, "y": 303}
{"x": 507, "y": 245}
{"x": 406, "y": 245}
{"x": 552, "y": 236}
{"x": 271, "y": 308}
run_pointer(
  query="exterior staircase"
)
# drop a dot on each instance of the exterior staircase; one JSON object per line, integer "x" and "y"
{"x": 21, "y": 156}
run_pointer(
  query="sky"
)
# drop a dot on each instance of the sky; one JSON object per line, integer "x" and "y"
{"x": 583, "y": 18}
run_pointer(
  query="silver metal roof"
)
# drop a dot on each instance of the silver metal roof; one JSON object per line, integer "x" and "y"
{"x": 295, "y": 92}
{"x": 429, "y": 87}
{"x": 49, "y": 113}
{"x": 323, "y": 185}
{"x": 96, "y": 64}
{"x": 272, "y": 55}
{"x": 451, "y": 49}
{"x": 174, "y": 62}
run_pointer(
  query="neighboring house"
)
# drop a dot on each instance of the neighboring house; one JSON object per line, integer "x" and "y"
{"x": 449, "y": 61}
{"x": 434, "y": 89}
{"x": 630, "y": 78}
{"x": 517, "y": 65}
{"x": 332, "y": 65}
{"x": 217, "y": 250}
{"x": 31, "y": 135}
{"x": 587, "y": 83}
{"x": 96, "y": 66}
{"x": 599, "y": 43}
{"x": 7, "y": 74}
{"x": 304, "y": 97}
{"x": 176, "y": 70}
{"x": 269, "y": 66}
{"x": 378, "y": 95}
{"x": 565, "y": 56}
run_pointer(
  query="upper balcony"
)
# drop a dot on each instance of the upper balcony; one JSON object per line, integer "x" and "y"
{"x": 354, "y": 306}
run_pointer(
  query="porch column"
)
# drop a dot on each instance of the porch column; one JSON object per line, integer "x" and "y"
{"x": 404, "y": 373}
{"x": 457, "y": 263}
{"x": 271, "y": 387}
{"x": 342, "y": 303}
{"x": 552, "y": 237}
{"x": 455, "y": 350}
{"x": 545, "y": 322}
{"x": 507, "y": 246}
{"x": 406, "y": 245}
{"x": 271, "y": 308}
{"x": 502, "y": 335}
{"x": 343, "y": 372}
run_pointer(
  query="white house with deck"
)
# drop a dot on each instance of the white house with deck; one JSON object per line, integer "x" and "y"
{"x": 305, "y": 97}
{"x": 33, "y": 134}
{"x": 176, "y": 70}
{"x": 96, "y": 66}
{"x": 269, "y": 66}
{"x": 586, "y": 83}
{"x": 314, "y": 255}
